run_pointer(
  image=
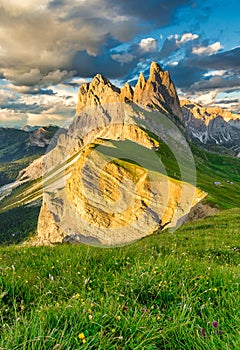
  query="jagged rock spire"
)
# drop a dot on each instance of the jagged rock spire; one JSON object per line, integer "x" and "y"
{"x": 139, "y": 88}
{"x": 126, "y": 93}
{"x": 99, "y": 91}
{"x": 158, "y": 91}
{"x": 155, "y": 71}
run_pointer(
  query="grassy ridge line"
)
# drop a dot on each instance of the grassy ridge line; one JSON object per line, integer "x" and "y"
{"x": 162, "y": 292}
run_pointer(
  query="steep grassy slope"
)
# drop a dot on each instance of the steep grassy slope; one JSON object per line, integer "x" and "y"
{"x": 162, "y": 292}
{"x": 10, "y": 170}
{"x": 211, "y": 167}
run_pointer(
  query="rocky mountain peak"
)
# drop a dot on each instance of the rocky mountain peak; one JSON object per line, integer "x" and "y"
{"x": 126, "y": 93}
{"x": 141, "y": 81}
{"x": 160, "y": 77}
{"x": 155, "y": 71}
{"x": 99, "y": 91}
{"x": 158, "y": 91}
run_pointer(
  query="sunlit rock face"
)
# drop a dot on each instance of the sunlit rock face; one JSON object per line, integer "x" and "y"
{"x": 112, "y": 201}
{"x": 158, "y": 91}
{"x": 212, "y": 125}
{"x": 104, "y": 183}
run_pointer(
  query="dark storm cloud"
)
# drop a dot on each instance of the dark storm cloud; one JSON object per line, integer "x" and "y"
{"x": 191, "y": 72}
{"x": 56, "y": 4}
{"x": 23, "y": 107}
{"x": 61, "y": 35}
{"x": 158, "y": 12}
{"x": 169, "y": 47}
{"x": 229, "y": 60}
{"x": 184, "y": 76}
{"x": 215, "y": 83}
{"x": 230, "y": 101}
{"x": 88, "y": 66}
{"x": 48, "y": 92}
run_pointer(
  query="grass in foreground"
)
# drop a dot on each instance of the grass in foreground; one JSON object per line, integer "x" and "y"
{"x": 162, "y": 292}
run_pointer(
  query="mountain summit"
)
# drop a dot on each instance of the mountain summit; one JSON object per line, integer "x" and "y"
{"x": 211, "y": 126}
{"x": 104, "y": 183}
{"x": 158, "y": 91}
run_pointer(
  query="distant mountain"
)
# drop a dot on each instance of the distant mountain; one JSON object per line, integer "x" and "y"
{"x": 18, "y": 148}
{"x": 30, "y": 128}
{"x": 16, "y": 144}
{"x": 212, "y": 126}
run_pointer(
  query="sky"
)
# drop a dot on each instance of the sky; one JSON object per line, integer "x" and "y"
{"x": 49, "y": 48}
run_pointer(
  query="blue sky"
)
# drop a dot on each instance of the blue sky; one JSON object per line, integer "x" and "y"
{"x": 48, "y": 49}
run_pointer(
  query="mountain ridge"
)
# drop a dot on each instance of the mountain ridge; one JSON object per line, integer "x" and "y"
{"x": 207, "y": 125}
{"x": 157, "y": 90}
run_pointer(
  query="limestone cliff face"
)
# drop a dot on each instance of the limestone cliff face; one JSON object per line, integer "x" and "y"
{"x": 127, "y": 93}
{"x": 110, "y": 192}
{"x": 112, "y": 202}
{"x": 99, "y": 91}
{"x": 158, "y": 91}
{"x": 98, "y": 187}
{"x": 212, "y": 125}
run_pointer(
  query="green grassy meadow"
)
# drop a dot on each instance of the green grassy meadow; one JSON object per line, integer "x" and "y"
{"x": 170, "y": 291}
{"x": 173, "y": 290}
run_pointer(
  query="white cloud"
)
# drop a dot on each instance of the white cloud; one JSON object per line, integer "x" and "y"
{"x": 35, "y": 77}
{"x": 187, "y": 37}
{"x": 174, "y": 64}
{"x": 173, "y": 36}
{"x": 148, "y": 45}
{"x": 30, "y": 78}
{"x": 43, "y": 37}
{"x": 23, "y": 106}
{"x": 214, "y": 73}
{"x": 6, "y": 95}
{"x": 205, "y": 99}
{"x": 213, "y": 98}
{"x": 46, "y": 119}
{"x": 57, "y": 76}
{"x": 207, "y": 50}
{"x": 123, "y": 58}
